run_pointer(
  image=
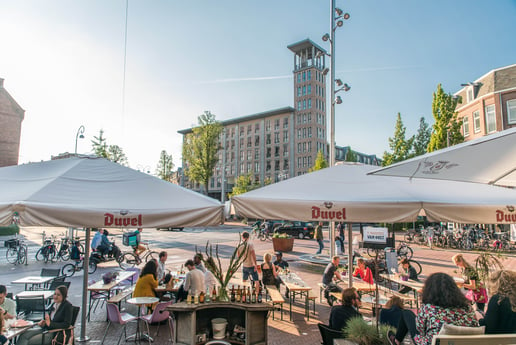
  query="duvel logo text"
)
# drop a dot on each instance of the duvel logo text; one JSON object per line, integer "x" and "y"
{"x": 318, "y": 213}
{"x": 502, "y": 216}
{"x": 111, "y": 220}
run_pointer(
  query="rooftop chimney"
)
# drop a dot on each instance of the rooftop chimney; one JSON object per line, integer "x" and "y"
{"x": 1, "y": 82}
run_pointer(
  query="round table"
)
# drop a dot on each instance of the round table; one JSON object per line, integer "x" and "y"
{"x": 140, "y": 302}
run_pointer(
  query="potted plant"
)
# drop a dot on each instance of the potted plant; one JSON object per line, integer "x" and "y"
{"x": 360, "y": 332}
{"x": 282, "y": 242}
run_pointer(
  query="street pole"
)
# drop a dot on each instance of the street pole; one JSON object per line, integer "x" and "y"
{"x": 223, "y": 190}
{"x": 332, "y": 112}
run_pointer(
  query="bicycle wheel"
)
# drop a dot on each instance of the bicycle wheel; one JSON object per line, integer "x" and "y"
{"x": 92, "y": 267}
{"x": 40, "y": 254}
{"x": 417, "y": 266}
{"x": 64, "y": 255}
{"x": 406, "y": 252}
{"x": 22, "y": 255}
{"x": 12, "y": 255}
{"x": 68, "y": 270}
{"x": 152, "y": 255}
{"x": 127, "y": 260}
{"x": 52, "y": 254}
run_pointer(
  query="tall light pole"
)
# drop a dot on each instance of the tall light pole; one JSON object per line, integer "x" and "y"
{"x": 79, "y": 135}
{"x": 223, "y": 190}
{"x": 337, "y": 20}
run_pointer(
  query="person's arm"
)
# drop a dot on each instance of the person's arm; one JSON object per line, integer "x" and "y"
{"x": 490, "y": 319}
{"x": 421, "y": 319}
{"x": 338, "y": 275}
{"x": 368, "y": 277}
{"x": 186, "y": 284}
{"x": 356, "y": 273}
{"x": 274, "y": 272}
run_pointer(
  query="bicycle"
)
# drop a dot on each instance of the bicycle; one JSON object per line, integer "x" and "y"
{"x": 264, "y": 235}
{"x": 69, "y": 270}
{"x": 16, "y": 251}
{"x": 404, "y": 250}
{"x": 130, "y": 259}
{"x": 48, "y": 251}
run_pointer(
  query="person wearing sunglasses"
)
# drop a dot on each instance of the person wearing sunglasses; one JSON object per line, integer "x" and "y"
{"x": 340, "y": 314}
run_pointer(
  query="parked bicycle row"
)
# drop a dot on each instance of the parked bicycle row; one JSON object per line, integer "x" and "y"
{"x": 466, "y": 238}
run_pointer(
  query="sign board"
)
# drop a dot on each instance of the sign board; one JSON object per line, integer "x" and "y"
{"x": 513, "y": 232}
{"x": 375, "y": 235}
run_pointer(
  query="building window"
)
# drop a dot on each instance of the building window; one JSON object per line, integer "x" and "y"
{"x": 299, "y": 77}
{"x": 256, "y": 127}
{"x": 249, "y": 155}
{"x": 268, "y": 166}
{"x": 242, "y": 168}
{"x": 285, "y": 122}
{"x": 490, "y": 118}
{"x": 304, "y": 104}
{"x": 268, "y": 155}
{"x": 309, "y": 146}
{"x": 256, "y": 154}
{"x": 298, "y": 162}
{"x": 256, "y": 140}
{"x": 299, "y": 119}
{"x": 249, "y": 167}
{"x": 268, "y": 139}
{"x": 309, "y": 118}
{"x": 276, "y": 124}
{"x": 276, "y": 151}
{"x": 241, "y": 142}
{"x": 276, "y": 166}
{"x": 285, "y": 136}
{"x": 470, "y": 95}
{"x": 249, "y": 142}
{"x": 285, "y": 150}
{"x": 276, "y": 138}
{"x": 299, "y": 147}
{"x": 511, "y": 111}
{"x": 256, "y": 167}
{"x": 298, "y": 91}
{"x": 242, "y": 155}
{"x": 465, "y": 126}
{"x": 242, "y": 131}
{"x": 476, "y": 121}
{"x": 309, "y": 159}
{"x": 309, "y": 103}
{"x": 299, "y": 133}
{"x": 304, "y": 76}
{"x": 304, "y": 90}
{"x": 309, "y": 132}
{"x": 268, "y": 125}
{"x": 309, "y": 75}
{"x": 309, "y": 89}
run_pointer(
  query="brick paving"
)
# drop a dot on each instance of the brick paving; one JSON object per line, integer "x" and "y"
{"x": 279, "y": 332}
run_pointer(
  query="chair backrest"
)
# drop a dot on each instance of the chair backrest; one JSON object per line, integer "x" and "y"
{"x": 113, "y": 313}
{"x": 75, "y": 313}
{"x": 50, "y": 272}
{"x": 9, "y": 295}
{"x": 135, "y": 277}
{"x": 328, "y": 334}
{"x": 30, "y": 304}
{"x": 159, "y": 314}
{"x": 55, "y": 284}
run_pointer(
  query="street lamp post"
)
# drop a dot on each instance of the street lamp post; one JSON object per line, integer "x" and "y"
{"x": 337, "y": 20}
{"x": 79, "y": 135}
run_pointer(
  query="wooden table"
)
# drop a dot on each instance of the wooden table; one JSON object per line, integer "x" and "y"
{"x": 140, "y": 302}
{"x": 358, "y": 284}
{"x": 104, "y": 290}
{"x": 296, "y": 286}
{"x": 32, "y": 280}
{"x": 417, "y": 287}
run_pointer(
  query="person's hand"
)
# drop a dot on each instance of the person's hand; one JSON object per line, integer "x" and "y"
{"x": 47, "y": 320}
{"x": 41, "y": 323}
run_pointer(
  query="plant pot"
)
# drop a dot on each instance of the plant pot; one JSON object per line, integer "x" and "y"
{"x": 283, "y": 244}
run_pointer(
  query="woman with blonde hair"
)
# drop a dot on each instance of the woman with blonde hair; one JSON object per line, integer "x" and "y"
{"x": 391, "y": 314}
{"x": 471, "y": 279}
{"x": 501, "y": 310}
{"x": 269, "y": 274}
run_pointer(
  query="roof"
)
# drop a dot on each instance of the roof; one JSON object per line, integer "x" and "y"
{"x": 306, "y": 43}
{"x": 7, "y": 103}
{"x": 248, "y": 118}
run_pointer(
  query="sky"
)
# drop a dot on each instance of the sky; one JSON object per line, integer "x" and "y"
{"x": 63, "y": 62}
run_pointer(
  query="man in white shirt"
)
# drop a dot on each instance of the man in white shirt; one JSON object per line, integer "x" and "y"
{"x": 161, "y": 266}
{"x": 194, "y": 281}
{"x": 7, "y": 304}
{"x": 197, "y": 259}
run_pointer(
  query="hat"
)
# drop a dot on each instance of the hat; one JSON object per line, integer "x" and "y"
{"x": 278, "y": 253}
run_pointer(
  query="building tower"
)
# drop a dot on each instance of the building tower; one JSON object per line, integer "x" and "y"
{"x": 309, "y": 103}
{"x": 11, "y": 117}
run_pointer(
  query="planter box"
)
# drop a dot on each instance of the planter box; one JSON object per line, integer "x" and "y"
{"x": 283, "y": 244}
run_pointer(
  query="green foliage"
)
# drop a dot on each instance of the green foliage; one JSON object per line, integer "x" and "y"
{"x": 351, "y": 156}
{"x": 399, "y": 146}
{"x": 486, "y": 263}
{"x": 200, "y": 149}
{"x": 320, "y": 162}
{"x": 165, "y": 166}
{"x": 244, "y": 184}
{"x": 446, "y": 129}
{"x": 281, "y": 235}
{"x": 9, "y": 230}
{"x": 113, "y": 153}
{"x": 422, "y": 138}
{"x": 362, "y": 333}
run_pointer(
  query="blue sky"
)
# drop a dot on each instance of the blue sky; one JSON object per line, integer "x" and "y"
{"x": 63, "y": 62}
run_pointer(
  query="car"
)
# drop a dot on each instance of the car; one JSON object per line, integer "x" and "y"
{"x": 172, "y": 228}
{"x": 296, "y": 229}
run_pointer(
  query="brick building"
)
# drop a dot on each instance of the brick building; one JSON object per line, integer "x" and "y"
{"x": 277, "y": 144}
{"x": 11, "y": 117}
{"x": 489, "y": 103}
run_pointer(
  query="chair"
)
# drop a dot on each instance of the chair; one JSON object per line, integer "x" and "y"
{"x": 114, "y": 316}
{"x": 63, "y": 336}
{"x": 49, "y": 272}
{"x": 158, "y": 315}
{"x": 55, "y": 284}
{"x": 328, "y": 334}
{"x": 32, "y": 307}
{"x": 97, "y": 298}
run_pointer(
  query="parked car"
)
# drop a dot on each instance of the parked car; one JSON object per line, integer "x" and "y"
{"x": 172, "y": 228}
{"x": 296, "y": 229}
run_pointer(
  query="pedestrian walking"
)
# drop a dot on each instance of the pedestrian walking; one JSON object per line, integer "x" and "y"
{"x": 319, "y": 237}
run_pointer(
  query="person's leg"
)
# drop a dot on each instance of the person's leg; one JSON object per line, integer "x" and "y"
{"x": 407, "y": 325}
{"x": 29, "y": 337}
{"x": 404, "y": 289}
{"x": 480, "y": 306}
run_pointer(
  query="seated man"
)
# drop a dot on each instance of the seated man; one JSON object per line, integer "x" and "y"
{"x": 329, "y": 274}
{"x": 409, "y": 271}
{"x": 194, "y": 281}
{"x": 363, "y": 272}
{"x": 281, "y": 264}
{"x": 340, "y": 314}
{"x": 8, "y": 305}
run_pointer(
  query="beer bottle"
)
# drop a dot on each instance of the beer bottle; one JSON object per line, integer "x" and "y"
{"x": 201, "y": 297}
{"x": 248, "y": 298}
{"x": 253, "y": 296}
{"x": 238, "y": 295}
{"x": 189, "y": 297}
{"x": 214, "y": 294}
{"x": 233, "y": 297}
{"x": 196, "y": 298}
{"x": 244, "y": 295}
{"x": 260, "y": 295}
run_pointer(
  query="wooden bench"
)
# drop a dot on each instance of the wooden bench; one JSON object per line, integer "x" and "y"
{"x": 404, "y": 297}
{"x": 491, "y": 339}
{"x": 122, "y": 295}
{"x": 321, "y": 290}
{"x": 274, "y": 295}
{"x": 312, "y": 297}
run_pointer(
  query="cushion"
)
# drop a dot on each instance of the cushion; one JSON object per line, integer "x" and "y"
{"x": 449, "y": 329}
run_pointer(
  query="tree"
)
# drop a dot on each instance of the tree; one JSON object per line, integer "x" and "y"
{"x": 446, "y": 129}
{"x": 244, "y": 184}
{"x": 320, "y": 162}
{"x": 351, "y": 156}
{"x": 165, "y": 166}
{"x": 113, "y": 153}
{"x": 200, "y": 149}
{"x": 422, "y": 138}
{"x": 399, "y": 146}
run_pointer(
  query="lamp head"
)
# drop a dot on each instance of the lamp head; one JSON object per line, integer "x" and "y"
{"x": 326, "y": 37}
{"x": 346, "y": 87}
{"x": 338, "y": 100}
{"x": 81, "y": 136}
{"x": 346, "y": 16}
{"x": 325, "y": 71}
{"x": 338, "y": 11}
{"x": 340, "y": 23}
{"x": 338, "y": 82}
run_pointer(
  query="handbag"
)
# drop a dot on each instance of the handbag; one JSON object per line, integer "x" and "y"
{"x": 478, "y": 295}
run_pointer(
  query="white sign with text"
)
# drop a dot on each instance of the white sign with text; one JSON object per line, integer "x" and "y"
{"x": 375, "y": 235}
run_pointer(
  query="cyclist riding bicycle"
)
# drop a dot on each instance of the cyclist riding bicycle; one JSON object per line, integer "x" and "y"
{"x": 138, "y": 248}
{"x": 76, "y": 253}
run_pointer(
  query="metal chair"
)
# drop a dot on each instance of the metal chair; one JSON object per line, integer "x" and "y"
{"x": 55, "y": 284}
{"x": 114, "y": 316}
{"x": 328, "y": 334}
{"x": 158, "y": 315}
{"x": 32, "y": 307}
{"x": 62, "y": 336}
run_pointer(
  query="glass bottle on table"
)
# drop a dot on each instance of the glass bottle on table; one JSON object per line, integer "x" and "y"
{"x": 260, "y": 298}
{"x": 233, "y": 297}
{"x": 238, "y": 295}
{"x": 189, "y": 297}
{"x": 248, "y": 297}
{"x": 214, "y": 293}
{"x": 253, "y": 296}
{"x": 201, "y": 297}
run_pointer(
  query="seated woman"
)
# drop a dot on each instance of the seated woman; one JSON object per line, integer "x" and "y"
{"x": 60, "y": 317}
{"x": 147, "y": 281}
{"x": 269, "y": 274}
{"x": 391, "y": 315}
{"x": 408, "y": 271}
{"x": 443, "y": 302}
{"x": 501, "y": 310}
{"x": 363, "y": 272}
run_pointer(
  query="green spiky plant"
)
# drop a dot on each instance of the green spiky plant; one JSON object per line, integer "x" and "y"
{"x": 362, "y": 333}
{"x": 486, "y": 263}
